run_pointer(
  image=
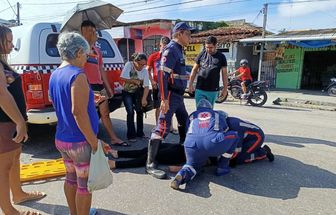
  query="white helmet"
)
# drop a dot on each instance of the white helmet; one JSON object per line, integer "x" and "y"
{"x": 243, "y": 61}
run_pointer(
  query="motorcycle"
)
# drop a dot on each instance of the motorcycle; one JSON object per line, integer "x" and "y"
{"x": 256, "y": 92}
{"x": 331, "y": 88}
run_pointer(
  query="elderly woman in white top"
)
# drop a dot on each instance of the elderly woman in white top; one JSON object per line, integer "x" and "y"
{"x": 135, "y": 76}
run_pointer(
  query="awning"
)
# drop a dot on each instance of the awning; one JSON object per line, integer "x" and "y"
{"x": 301, "y": 41}
{"x": 313, "y": 43}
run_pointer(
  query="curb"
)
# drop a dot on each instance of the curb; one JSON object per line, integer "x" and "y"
{"x": 317, "y": 105}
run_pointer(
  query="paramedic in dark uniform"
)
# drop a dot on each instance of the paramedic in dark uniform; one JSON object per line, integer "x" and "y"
{"x": 249, "y": 148}
{"x": 172, "y": 83}
{"x": 207, "y": 136}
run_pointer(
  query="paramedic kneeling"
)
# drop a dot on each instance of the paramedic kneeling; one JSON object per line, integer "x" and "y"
{"x": 206, "y": 137}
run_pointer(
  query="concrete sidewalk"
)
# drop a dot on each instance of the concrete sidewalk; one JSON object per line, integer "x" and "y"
{"x": 303, "y": 98}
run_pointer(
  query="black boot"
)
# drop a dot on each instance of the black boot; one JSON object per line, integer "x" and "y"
{"x": 182, "y": 132}
{"x": 151, "y": 165}
{"x": 269, "y": 154}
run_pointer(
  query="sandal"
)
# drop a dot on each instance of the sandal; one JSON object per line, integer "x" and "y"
{"x": 35, "y": 195}
{"x": 29, "y": 213}
{"x": 174, "y": 131}
{"x": 121, "y": 144}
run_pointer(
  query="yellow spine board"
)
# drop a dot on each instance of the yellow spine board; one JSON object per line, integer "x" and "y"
{"x": 42, "y": 170}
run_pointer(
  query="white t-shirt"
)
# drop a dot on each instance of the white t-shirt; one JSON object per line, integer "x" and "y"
{"x": 142, "y": 75}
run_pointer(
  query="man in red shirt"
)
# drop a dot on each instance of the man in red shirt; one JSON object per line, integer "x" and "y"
{"x": 152, "y": 64}
{"x": 97, "y": 78}
{"x": 244, "y": 73}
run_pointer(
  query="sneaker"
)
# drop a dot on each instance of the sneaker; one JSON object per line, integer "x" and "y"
{"x": 269, "y": 154}
{"x": 175, "y": 184}
{"x": 222, "y": 171}
{"x": 244, "y": 96}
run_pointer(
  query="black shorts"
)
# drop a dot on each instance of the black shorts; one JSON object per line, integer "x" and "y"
{"x": 247, "y": 82}
{"x": 156, "y": 98}
{"x": 97, "y": 87}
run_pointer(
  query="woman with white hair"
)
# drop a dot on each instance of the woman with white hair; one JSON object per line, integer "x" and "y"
{"x": 77, "y": 127}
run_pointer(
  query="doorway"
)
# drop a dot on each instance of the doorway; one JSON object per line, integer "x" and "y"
{"x": 151, "y": 44}
{"x": 318, "y": 68}
{"x": 126, "y": 46}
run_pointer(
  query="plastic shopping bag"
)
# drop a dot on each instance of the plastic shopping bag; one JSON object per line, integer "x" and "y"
{"x": 100, "y": 176}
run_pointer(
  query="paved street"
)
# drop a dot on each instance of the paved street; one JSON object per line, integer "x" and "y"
{"x": 301, "y": 180}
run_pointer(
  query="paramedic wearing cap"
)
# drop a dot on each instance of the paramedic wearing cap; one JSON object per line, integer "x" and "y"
{"x": 209, "y": 65}
{"x": 207, "y": 136}
{"x": 172, "y": 82}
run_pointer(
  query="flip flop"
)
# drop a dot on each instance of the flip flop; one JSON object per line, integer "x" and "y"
{"x": 29, "y": 213}
{"x": 174, "y": 131}
{"x": 34, "y": 195}
{"x": 93, "y": 211}
{"x": 125, "y": 144}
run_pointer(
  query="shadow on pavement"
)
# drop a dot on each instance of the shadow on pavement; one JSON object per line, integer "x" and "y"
{"x": 295, "y": 141}
{"x": 281, "y": 179}
{"x": 285, "y": 108}
{"x": 63, "y": 210}
{"x": 41, "y": 143}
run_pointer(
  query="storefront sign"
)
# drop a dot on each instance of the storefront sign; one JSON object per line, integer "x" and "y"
{"x": 191, "y": 53}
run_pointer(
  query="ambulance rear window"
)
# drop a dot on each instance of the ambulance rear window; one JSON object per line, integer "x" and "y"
{"x": 51, "y": 48}
{"x": 105, "y": 48}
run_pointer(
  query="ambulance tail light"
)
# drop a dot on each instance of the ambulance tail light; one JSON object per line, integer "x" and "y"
{"x": 33, "y": 90}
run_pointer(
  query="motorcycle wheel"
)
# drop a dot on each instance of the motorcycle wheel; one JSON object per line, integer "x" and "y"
{"x": 236, "y": 92}
{"x": 332, "y": 91}
{"x": 221, "y": 99}
{"x": 257, "y": 99}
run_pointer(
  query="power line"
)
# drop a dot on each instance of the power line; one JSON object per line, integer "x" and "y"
{"x": 230, "y": 2}
{"x": 136, "y": 2}
{"x": 55, "y": 3}
{"x": 6, "y": 9}
{"x": 296, "y": 2}
{"x": 11, "y": 7}
{"x": 260, "y": 11}
{"x": 167, "y": 5}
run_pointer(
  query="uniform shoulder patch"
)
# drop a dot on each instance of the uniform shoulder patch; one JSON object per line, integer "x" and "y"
{"x": 165, "y": 53}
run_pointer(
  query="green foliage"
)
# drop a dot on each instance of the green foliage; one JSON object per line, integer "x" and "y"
{"x": 213, "y": 25}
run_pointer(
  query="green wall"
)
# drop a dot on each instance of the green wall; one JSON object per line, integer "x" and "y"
{"x": 289, "y": 69}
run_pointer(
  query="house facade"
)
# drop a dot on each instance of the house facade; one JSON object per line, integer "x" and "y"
{"x": 144, "y": 36}
{"x": 298, "y": 59}
{"x": 228, "y": 43}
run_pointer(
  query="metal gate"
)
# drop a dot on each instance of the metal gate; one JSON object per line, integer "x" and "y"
{"x": 151, "y": 44}
{"x": 268, "y": 72}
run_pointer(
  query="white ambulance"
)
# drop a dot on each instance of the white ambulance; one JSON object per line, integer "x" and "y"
{"x": 35, "y": 57}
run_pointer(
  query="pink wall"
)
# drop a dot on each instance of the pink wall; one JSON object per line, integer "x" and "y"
{"x": 148, "y": 32}
{"x": 138, "y": 45}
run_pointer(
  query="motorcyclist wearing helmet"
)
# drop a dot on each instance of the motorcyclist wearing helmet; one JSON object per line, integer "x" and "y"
{"x": 244, "y": 73}
{"x": 207, "y": 136}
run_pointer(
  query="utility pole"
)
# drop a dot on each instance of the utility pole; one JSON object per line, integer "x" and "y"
{"x": 262, "y": 43}
{"x": 18, "y": 13}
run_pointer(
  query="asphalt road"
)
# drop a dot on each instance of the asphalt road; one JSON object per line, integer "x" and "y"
{"x": 301, "y": 180}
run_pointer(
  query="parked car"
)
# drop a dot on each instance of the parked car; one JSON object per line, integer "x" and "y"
{"x": 36, "y": 57}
